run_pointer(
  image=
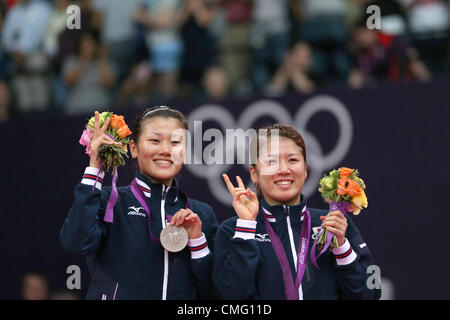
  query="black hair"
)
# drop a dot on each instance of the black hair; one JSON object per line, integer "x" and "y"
{"x": 154, "y": 112}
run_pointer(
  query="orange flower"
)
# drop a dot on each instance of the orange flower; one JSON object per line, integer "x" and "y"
{"x": 345, "y": 172}
{"x": 123, "y": 131}
{"x": 348, "y": 187}
{"x": 117, "y": 122}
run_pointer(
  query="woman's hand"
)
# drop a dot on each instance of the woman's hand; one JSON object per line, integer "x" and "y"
{"x": 335, "y": 222}
{"x": 190, "y": 221}
{"x": 99, "y": 138}
{"x": 245, "y": 201}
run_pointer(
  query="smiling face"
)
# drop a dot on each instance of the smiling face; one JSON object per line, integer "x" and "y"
{"x": 160, "y": 149}
{"x": 280, "y": 175}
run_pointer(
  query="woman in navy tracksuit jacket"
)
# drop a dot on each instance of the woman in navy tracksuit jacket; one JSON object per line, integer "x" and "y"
{"x": 124, "y": 262}
{"x": 246, "y": 265}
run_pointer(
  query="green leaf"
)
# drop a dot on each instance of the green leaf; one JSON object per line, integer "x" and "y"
{"x": 328, "y": 194}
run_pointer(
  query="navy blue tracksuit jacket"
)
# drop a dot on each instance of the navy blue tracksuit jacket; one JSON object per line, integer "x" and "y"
{"x": 246, "y": 266}
{"x": 124, "y": 263}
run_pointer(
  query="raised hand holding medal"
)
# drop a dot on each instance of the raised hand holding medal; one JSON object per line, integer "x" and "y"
{"x": 184, "y": 225}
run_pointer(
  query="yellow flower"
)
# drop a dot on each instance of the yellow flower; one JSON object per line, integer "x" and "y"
{"x": 103, "y": 116}
{"x": 328, "y": 183}
{"x": 91, "y": 123}
{"x": 359, "y": 202}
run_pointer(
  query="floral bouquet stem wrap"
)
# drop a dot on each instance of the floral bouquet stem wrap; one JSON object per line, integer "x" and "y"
{"x": 111, "y": 156}
{"x": 343, "y": 189}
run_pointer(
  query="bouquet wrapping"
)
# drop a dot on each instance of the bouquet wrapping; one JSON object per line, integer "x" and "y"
{"x": 343, "y": 189}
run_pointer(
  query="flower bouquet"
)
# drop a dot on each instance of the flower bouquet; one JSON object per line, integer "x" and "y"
{"x": 110, "y": 155}
{"x": 343, "y": 189}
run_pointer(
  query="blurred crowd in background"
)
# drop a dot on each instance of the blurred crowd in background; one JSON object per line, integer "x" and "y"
{"x": 134, "y": 52}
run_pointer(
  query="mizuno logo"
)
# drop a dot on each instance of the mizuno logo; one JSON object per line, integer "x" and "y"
{"x": 136, "y": 211}
{"x": 262, "y": 237}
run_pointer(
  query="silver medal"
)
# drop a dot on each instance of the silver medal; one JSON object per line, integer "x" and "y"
{"x": 173, "y": 238}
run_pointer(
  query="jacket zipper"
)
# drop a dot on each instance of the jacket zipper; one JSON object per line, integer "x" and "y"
{"x": 166, "y": 253}
{"x": 115, "y": 291}
{"x": 292, "y": 245}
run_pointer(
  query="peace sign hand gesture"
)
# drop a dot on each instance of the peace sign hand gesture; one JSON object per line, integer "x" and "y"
{"x": 99, "y": 138}
{"x": 245, "y": 201}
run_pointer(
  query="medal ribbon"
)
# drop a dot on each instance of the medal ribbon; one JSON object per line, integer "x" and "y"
{"x": 109, "y": 213}
{"x": 290, "y": 287}
{"x": 139, "y": 195}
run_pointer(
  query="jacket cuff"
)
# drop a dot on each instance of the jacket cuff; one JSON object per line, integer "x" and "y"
{"x": 198, "y": 247}
{"x": 245, "y": 229}
{"x": 93, "y": 176}
{"x": 344, "y": 254}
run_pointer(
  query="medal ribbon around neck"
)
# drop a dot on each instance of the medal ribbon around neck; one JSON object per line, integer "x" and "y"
{"x": 139, "y": 194}
{"x": 290, "y": 287}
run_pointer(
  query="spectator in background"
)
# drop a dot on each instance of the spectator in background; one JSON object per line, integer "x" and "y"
{"x": 234, "y": 42}
{"x": 89, "y": 77}
{"x": 22, "y": 37}
{"x": 163, "y": 42}
{"x": 216, "y": 85}
{"x": 375, "y": 60}
{"x": 56, "y": 26}
{"x": 386, "y": 53}
{"x": 428, "y": 22}
{"x": 34, "y": 286}
{"x": 393, "y": 18}
{"x": 119, "y": 31}
{"x": 295, "y": 72}
{"x": 322, "y": 25}
{"x": 67, "y": 45}
{"x": 68, "y": 40}
{"x": 269, "y": 39}
{"x": 199, "y": 44}
{"x": 136, "y": 89}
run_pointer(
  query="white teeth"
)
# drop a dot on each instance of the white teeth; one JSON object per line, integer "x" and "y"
{"x": 283, "y": 182}
{"x": 163, "y": 162}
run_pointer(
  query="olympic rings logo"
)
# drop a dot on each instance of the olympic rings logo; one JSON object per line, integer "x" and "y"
{"x": 318, "y": 162}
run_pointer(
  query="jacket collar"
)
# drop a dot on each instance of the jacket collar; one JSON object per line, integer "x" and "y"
{"x": 279, "y": 212}
{"x": 148, "y": 188}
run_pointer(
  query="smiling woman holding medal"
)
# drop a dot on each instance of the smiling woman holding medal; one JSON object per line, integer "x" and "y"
{"x": 263, "y": 253}
{"x": 158, "y": 242}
